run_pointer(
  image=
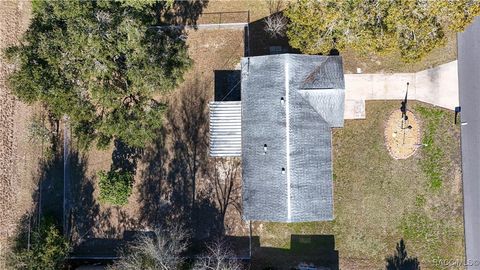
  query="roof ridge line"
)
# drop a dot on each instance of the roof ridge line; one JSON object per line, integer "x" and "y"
{"x": 287, "y": 130}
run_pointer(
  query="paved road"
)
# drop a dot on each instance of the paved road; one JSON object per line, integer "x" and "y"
{"x": 469, "y": 87}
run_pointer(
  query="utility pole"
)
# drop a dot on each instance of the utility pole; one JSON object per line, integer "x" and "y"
{"x": 403, "y": 108}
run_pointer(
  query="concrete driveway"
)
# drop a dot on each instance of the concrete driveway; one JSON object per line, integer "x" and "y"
{"x": 437, "y": 86}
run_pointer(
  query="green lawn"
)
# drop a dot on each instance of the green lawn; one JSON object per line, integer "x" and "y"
{"x": 379, "y": 200}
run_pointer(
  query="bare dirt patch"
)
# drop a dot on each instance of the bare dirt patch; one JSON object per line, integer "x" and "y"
{"x": 402, "y": 137}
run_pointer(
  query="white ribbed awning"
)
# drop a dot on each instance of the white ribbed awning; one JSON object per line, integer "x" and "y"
{"x": 225, "y": 128}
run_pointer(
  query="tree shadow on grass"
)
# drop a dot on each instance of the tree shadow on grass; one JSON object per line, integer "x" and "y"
{"x": 176, "y": 163}
{"x": 50, "y": 189}
{"x": 48, "y": 201}
{"x": 400, "y": 259}
{"x": 309, "y": 251}
{"x": 124, "y": 157}
{"x": 223, "y": 186}
{"x": 154, "y": 195}
{"x": 85, "y": 212}
{"x": 94, "y": 230}
{"x": 261, "y": 43}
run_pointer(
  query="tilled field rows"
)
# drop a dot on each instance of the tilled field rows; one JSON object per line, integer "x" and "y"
{"x": 7, "y": 157}
{"x": 14, "y": 18}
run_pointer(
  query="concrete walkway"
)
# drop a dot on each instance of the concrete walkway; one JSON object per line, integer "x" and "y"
{"x": 437, "y": 86}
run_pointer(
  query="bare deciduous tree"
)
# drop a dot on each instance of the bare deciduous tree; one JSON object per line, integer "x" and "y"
{"x": 161, "y": 250}
{"x": 219, "y": 257}
{"x": 275, "y": 25}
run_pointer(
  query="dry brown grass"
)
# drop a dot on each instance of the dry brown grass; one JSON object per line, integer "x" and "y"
{"x": 258, "y": 9}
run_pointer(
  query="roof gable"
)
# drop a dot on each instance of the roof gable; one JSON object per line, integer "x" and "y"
{"x": 328, "y": 103}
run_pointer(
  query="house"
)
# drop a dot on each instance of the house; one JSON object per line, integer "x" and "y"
{"x": 281, "y": 128}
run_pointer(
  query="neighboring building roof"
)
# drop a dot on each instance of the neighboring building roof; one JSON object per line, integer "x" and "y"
{"x": 292, "y": 180}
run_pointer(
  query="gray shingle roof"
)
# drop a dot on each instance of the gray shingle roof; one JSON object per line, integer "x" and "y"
{"x": 292, "y": 180}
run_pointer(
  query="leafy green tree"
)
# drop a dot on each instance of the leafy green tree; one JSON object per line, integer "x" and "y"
{"x": 413, "y": 28}
{"x": 102, "y": 64}
{"x": 115, "y": 187}
{"x": 316, "y": 26}
{"x": 456, "y": 14}
{"x": 47, "y": 250}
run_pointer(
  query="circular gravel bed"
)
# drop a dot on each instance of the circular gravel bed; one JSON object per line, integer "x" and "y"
{"x": 402, "y": 141}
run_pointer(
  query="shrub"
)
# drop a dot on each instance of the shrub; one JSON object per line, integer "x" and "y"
{"x": 115, "y": 187}
{"x": 38, "y": 132}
